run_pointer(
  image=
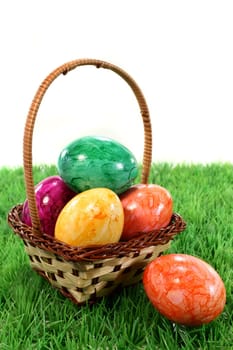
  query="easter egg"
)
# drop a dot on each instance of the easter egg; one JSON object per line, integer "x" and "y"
{"x": 93, "y": 161}
{"x": 146, "y": 207}
{"x": 93, "y": 217}
{"x": 51, "y": 196}
{"x": 185, "y": 289}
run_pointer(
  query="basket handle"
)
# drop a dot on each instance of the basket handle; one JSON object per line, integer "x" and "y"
{"x": 31, "y": 117}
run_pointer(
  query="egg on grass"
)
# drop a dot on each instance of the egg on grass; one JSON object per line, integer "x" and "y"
{"x": 185, "y": 289}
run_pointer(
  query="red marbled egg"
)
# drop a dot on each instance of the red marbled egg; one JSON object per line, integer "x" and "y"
{"x": 51, "y": 196}
{"x": 146, "y": 207}
{"x": 185, "y": 289}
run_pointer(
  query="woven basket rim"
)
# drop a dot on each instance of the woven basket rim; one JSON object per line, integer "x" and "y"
{"x": 89, "y": 253}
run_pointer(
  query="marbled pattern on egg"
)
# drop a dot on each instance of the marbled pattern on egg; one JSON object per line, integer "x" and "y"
{"x": 92, "y": 217}
{"x": 94, "y": 161}
{"x": 185, "y": 289}
{"x": 51, "y": 196}
{"x": 146, "y": 207}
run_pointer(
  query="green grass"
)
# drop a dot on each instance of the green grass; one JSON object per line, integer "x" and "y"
{"x": 33, "y": 315}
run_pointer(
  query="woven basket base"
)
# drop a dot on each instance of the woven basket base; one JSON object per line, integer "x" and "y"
{"x": 86, "y": 274}
{"x": 84, "y": 281}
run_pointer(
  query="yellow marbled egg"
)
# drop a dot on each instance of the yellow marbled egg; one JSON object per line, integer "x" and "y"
{"x": 92, "y": 217}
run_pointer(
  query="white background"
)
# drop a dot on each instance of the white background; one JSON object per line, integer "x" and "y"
{"x": 180, "y": 53}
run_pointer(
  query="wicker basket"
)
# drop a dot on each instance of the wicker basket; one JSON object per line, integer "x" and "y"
{"x": 84, "y": 274}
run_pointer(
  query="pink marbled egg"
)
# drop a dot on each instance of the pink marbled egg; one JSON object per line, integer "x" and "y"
{"x": 51, "y": 196}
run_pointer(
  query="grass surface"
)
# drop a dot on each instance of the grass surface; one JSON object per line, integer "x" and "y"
{"x": 33, "y": 315}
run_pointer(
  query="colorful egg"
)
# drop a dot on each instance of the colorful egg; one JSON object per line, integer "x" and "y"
{"x": 51, "y": 196}
{"x": 93, "y": 217}
{"x": 93, "y": 161}
{"x": 185, "y": 289}
{"x": 146, "y": 207}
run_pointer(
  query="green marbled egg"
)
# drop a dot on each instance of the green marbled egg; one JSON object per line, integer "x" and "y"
{"x": 94, "y": 161}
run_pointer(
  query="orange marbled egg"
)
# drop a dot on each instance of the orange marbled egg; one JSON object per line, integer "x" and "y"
{"x": 185, "y": 289}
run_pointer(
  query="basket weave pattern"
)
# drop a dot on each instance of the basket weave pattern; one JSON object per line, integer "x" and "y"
{"x": 80, "y": 280}
{"x": 87, "y": 273}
